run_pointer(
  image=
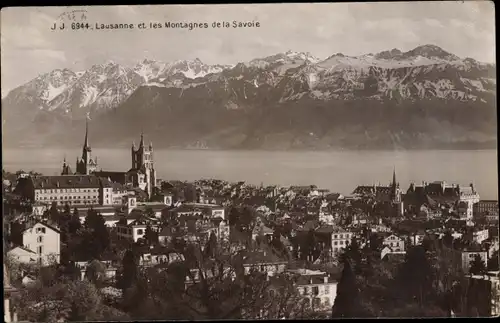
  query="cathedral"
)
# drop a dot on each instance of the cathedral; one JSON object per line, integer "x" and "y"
{"x": 142, "y": 174}
{"x": 84, "y": 165}
{"x": 389, "y": 195}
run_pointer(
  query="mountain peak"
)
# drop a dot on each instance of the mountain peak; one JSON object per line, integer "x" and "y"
{"x": 430, "y": 51}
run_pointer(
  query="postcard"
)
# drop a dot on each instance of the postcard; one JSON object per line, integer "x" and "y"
{"x": 250, "y": 161}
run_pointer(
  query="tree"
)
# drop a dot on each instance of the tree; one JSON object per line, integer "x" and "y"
{"x": 477, "y": 266}
{"x": 129, "y": 272}
{"x": 493, "y": 261}
{"x": 95, "y": 272}
{"x": 74, "y": 223}
{"x": 54, "y": 213}
{"x": 216, "y": 287}
{"x": 150, "y": 236}
{"x": 211, "y": 246}
{"x": 64, "y": 301}
{"x": 347, "y": 301}
{"x": 448, "y": 239}
{"x": 98, "y": 237}
{"x": 353, "y": 253}
{"x": 414, "y": 281}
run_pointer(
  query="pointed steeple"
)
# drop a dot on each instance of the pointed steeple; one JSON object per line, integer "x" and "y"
{"x": 394, "y": 176}
{"x": 141, "y": 144}
{"x": 86, "y": 143}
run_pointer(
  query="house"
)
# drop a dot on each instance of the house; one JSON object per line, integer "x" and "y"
{"x": 263, "y": 261}
{"x": 40, "y": 241}
{"x": 478, "y": 236}
{"x": 317, "y": 287}
{"x": 394, "y": 242}
{"x": 155, "y": 255}
{"x": 485, "y": 207}
{"x": 416, "y": 238}
{"x": 134, "y": 229}
{"x": 109, "y": 265}
{"x": 340, "y": 240}
{"x": 468, "y": 255}
{"x": 387, "y": 250}
{"x": 210, "y": 210}
{"x": 23, "y": 255}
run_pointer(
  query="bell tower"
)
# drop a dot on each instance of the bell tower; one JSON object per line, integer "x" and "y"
{"x": 86, "y": 165}
{"x": 143, "y": 163}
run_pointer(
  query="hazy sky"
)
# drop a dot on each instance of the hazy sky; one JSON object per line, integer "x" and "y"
{"x": 30, "y": 48}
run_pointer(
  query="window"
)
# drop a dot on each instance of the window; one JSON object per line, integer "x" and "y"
{"x": 315, "y": 290}
{"x": 40, "y": 250}
{"x": 341, "y": 236}
{"x": 39, "y": 239}
{"x": 327, "y": 289}
{"x": 335, "y": 243}
{"x": 139, "y": 231}
{"x": 335, "y": 236}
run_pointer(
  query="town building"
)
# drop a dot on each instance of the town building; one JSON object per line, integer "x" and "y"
{"x": 468, "y": 255}
{"x": 394, "y": 242}
{"x": 85, "y": 165}
{"x": 340, "y": 240}
{"x": 389, "y": 195}
{"x": 439, "y": 195}
{"x": 486, "y": 210}
{"x": 485, "y": 207}
{"x": 143, "y": 173}
{"x": 70, "y": 189}
{"x": 41, "y": 243}
{"x": 317, "y": 287}
{"x": 480, "y": 235}
{"x": 264, "y": 262}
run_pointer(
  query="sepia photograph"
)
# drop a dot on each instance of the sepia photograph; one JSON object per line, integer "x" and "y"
{"x": 250, "y": 161}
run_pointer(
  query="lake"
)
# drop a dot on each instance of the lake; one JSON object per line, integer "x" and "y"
{"x": 339, "y": 171}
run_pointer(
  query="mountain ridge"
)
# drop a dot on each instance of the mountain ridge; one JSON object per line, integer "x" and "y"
{"x": 244, "y": 106}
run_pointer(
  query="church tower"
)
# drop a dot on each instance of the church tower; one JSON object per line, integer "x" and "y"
{"x": 143, "y": 165}
{"x": 86, "y": 165}
{"x": 66, "y": 169}
{"x": 396, "y": 195}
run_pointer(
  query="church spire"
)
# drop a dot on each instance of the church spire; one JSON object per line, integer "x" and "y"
{"x": 394, "y": 176}
{"x": 141, "y": 145}
{"x": 86, "y": 143}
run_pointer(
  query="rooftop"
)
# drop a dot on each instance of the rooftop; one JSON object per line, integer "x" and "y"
{"x": 66, "y": 181}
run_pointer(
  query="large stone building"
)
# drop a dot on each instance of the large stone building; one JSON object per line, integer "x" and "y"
{"x": 84, "y": 165}
{"x": 389, "y": 195}
{"x": 439, "y": 195}
{"x": 71, "y": 189}
{"x": 143, "y": 173}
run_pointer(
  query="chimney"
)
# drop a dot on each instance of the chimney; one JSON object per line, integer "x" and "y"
{"x": 325, "y": 279}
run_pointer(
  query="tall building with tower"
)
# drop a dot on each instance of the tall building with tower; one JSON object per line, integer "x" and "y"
{"x": 389, "y": 195}
{"x": 143, "y": 173}
{"x": 86, "y": 165}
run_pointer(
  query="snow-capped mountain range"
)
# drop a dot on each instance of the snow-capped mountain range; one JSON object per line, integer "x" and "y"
{"x": 290, "y": 78}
